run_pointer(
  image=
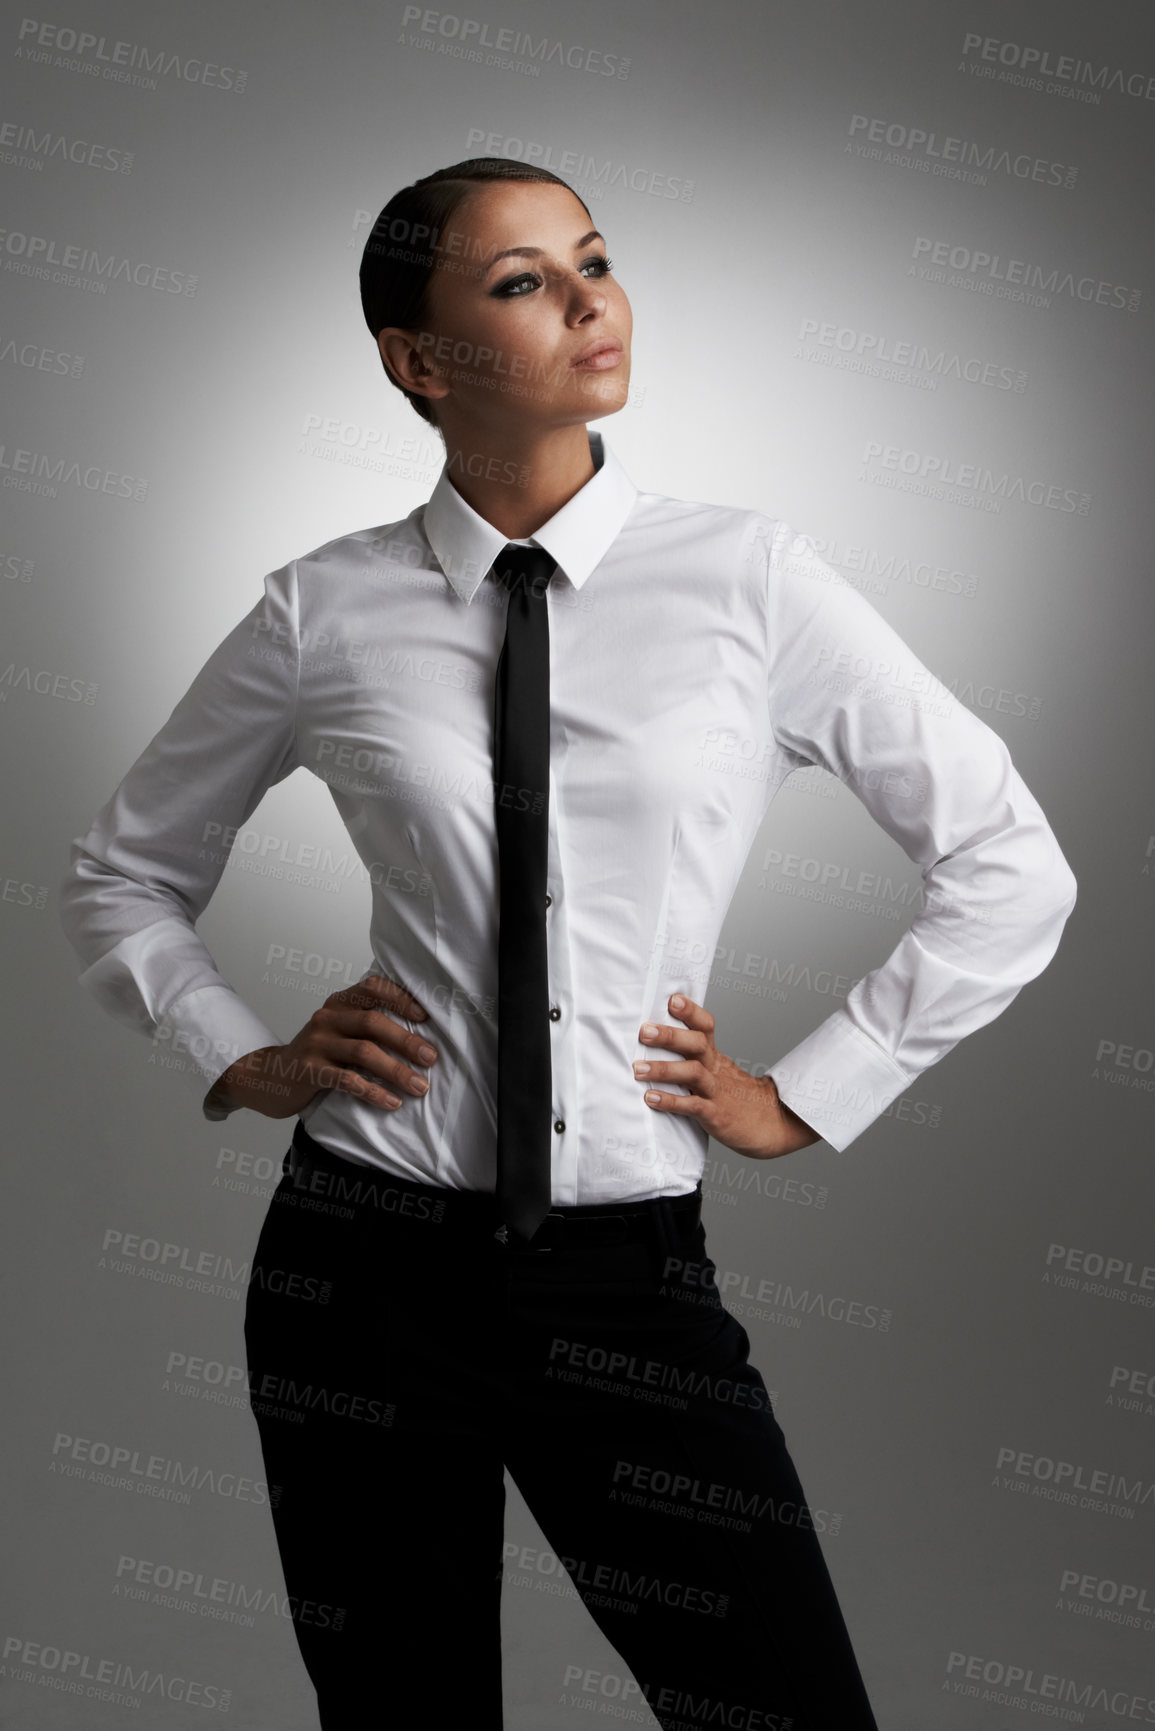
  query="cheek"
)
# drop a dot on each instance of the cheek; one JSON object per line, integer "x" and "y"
{"x": 512, "y": 341}
{"x": 484, "y": 351}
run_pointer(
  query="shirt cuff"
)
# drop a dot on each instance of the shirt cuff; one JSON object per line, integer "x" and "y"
{"x": 202, "y": 1034}
{"x": 838, "y": 1080}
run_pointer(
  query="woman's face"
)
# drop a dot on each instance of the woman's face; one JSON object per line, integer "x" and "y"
{"x": 507, "y": 334}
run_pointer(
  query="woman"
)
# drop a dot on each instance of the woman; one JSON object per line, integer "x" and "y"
{"x": 552, "y": 712}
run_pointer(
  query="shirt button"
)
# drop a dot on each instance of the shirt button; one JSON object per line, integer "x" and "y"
{"x": 549, "y": 901}
{"x": 559, "y": 1125}
{"x": 555, "y": 1014}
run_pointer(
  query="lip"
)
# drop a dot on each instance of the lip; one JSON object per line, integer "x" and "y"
{"x": 606, "y": 352}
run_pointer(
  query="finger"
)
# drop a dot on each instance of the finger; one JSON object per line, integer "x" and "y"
{"x": 376, "y": 989}
{"x": 688, "y": 1105}
{"x": 686, "y": 1010}
{"x": 374, "y": 1025}
{"x": 366, "y": 1054}
{"x": 348, "y": 1082}
{"x": 323, "y": 1073}
{"x": 678, "y": 1039}
{"x": 689, "y": 1072}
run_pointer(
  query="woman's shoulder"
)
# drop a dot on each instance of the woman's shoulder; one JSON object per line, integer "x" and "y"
{"x": 760, "y": 533}
{"x": 690, "y": 507}
{"x": 365, "y": 551}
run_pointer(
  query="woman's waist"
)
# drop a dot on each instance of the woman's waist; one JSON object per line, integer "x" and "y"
{"x": 610, "y": 1144}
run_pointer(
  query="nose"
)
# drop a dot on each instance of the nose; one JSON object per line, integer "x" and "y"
{"x": 588, "y": 296}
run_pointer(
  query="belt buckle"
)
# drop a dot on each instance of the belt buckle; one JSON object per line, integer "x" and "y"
{"x": 511, "y": 1246}
{"x": 546, "y": 1249}
{"x": 617, "y": 1224}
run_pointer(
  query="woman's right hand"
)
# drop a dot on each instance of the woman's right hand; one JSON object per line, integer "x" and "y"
{"x": 350, "y": 1028}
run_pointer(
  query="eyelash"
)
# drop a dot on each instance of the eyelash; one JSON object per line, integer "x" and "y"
{"x": 502, "y": 291}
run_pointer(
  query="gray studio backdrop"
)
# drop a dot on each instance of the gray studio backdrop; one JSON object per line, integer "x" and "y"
{"x": 893, "y": 278}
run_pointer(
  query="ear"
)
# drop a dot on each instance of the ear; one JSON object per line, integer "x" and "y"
{"x": 403, "y": 355}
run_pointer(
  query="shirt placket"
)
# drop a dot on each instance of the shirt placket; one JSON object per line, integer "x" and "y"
{"x": 565, "y": 1095}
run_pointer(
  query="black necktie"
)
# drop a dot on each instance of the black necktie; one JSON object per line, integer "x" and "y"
{"x": 521, "y": 810}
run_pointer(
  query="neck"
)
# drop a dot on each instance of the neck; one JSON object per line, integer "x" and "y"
{"x": 517, "y": 485}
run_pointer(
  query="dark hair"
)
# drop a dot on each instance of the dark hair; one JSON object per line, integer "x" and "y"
{"x": 398, "y": 261}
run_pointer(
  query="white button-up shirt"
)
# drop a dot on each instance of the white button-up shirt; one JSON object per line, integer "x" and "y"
{"x": 698, "y": 654}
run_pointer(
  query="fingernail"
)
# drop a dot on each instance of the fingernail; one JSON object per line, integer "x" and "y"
{"x": 677, "y": 1001}
{"x": 641, "y": 1069}
{"x": 653, "y": 1096}
{"x": 649, "y": 1030}
{"x": 427, "y": 1052}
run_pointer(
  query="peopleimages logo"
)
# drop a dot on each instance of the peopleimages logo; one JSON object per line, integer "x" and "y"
{"x": 1101, "y": 1273}
{"x": 124, "y": 1468}
{"x": 1071, "y": 1482}
{"x": 104, "y": 1679}
{"x": 1016, "y": 1685}
{"x": 45, "y": 683}
{"x": 600, "y": 1580}
{"x": 120, "y": 62}
{"x": 1017, "y": 278}
{"x": 594, "y": 173}
{"x": 449, "y": 32}
{"x": 943, "y": 154}
{"x": 1012, "y": 62}
{"x": 43, "y": 256}
{"x": 183, "y": 1589}
{"x": 38, "y": 472}
{"x": 870, "y": 351}
{"x": 39, "y": 358}
{"x": 24, "y": 147}
{"x": 942, "y": 475}
{"x": 1104, "y": 1600}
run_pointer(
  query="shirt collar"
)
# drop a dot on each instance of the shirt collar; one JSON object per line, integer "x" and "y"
{"x": 577, "y": 537}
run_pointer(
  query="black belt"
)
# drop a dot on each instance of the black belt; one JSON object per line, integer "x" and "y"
{"x": 331, "y": 1182}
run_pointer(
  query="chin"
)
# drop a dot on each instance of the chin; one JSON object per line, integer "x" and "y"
{"x": 602, "y": 393}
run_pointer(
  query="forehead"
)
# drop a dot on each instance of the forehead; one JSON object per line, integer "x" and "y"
{"x": 498, "y": 214}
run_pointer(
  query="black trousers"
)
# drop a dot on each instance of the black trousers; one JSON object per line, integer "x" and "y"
{"x": 400, "y": 1358}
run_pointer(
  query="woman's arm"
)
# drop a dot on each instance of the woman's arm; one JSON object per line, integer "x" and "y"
{"x": 143, "y": 874}
{"x": 846, "y": 692}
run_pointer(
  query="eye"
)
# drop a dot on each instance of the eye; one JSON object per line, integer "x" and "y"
{"x": 515, "y": 286}
{"x": 512, "y": 287}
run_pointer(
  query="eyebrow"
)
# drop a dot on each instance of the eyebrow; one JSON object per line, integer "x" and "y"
{"x": 536, "y": 251}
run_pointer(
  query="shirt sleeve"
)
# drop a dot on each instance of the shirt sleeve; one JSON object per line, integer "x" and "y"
{"x": 143, "y": 874}
{"x": 846, "y": 692}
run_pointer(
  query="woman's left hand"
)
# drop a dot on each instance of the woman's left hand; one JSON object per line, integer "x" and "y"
{"x": 741, "y": 1111}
